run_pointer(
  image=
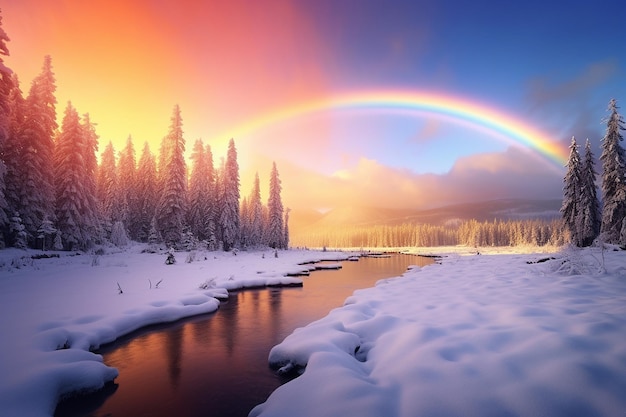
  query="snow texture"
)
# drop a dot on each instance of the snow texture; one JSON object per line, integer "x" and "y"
{"x": 55, "y": 310}
{"x": 488, "y": 335}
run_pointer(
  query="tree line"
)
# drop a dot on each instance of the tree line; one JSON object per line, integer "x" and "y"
{"x": 55, "y": 194}
{"x": 585, "y": 218}
{"x": 468, "y": 233}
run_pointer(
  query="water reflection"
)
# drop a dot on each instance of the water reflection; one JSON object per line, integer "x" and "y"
{"x": 216, "y": 365}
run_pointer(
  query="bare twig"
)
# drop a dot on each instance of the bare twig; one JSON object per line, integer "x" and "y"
{"x": 119, "y": 289}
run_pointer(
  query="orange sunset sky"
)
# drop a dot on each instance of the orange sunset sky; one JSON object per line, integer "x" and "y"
{"x": 235, "y": 67}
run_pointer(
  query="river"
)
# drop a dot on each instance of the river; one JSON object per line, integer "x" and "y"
{"x": 216, "y": 364}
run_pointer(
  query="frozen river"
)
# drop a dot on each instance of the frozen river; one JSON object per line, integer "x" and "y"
{"x": 216, "y": 365}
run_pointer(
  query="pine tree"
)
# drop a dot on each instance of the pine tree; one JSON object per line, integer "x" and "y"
{"x": 36, "y": 135}
{"x": 18, "y": 231}
{"x": 212, "y": 213}
{"x": 244, "y": 223}
{"x": 286, "y": 234}
{"x": 46, "y": 232}
{"x": 13, "y": 148}
{"x": 127, "y": 189}
{"x": 76, "y": 220}
{"x": 275, "y": 233}
{"x": 146, "y": 192}
{"x": 589, "y": 206}
{"x": 200, "y": 193}
{"x": 255, "y": 211}
{"x": 6, "y": 84}
{"x": 571, "y": 194}
{"x": 171, "y": 209}
{"x": 118, "y": 234}
{"x": 229, "y": 218}
{"x": 613, "y": 177}
{"x": 90, "y": 143}
{"x": 108, "y": 198}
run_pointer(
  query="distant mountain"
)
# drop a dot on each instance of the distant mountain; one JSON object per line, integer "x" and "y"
{"x": 506, "y": 209}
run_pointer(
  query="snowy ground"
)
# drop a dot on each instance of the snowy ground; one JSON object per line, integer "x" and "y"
{"x": 488, "y": 335}
{"x": 55, "y": 310}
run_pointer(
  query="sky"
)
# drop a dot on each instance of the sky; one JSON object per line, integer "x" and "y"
{"x": 398, "y": 104}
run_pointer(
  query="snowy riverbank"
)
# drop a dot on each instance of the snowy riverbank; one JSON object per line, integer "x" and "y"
{"x": 490, "y": 335}
{"x": 55, "y": 309}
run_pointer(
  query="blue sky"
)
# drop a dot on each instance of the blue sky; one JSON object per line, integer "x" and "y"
{"x": 552, "y": 64}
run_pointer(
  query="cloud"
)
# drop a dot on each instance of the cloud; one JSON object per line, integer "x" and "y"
{"x": 514, "y": 173}
{"x": 574, "y": 106}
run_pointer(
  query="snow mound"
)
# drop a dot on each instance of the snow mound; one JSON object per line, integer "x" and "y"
{"x": 500, "y": 335}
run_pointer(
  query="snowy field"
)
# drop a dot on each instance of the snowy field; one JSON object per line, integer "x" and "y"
{"x": 55, "y": 310}
{"x": 489, "y": 335}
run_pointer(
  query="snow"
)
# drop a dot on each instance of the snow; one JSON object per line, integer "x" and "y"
{"x": 476, "y": 335}
{"x": 55, "y": 310}
{"x": 479, "y": 335}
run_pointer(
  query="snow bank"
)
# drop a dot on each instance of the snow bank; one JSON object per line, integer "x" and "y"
{"x": 476, "y": 336}
{"x": 55, "y": 310}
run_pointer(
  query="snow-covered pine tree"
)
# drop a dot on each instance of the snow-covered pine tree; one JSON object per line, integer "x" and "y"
{"x": 6, "y": 84}
{"x": 146, "y": 192}
{"x": 200, "y": 193}
{"x": 127, "y": 188}
{"x": 76, "y": 220}
{"x": 286, "y": 234}
{"x": 571, "y": 194}
{"x": 244, "y": 223}
{"x": 154, "y": 238}
{"x": 275, "y": 233}
{"x": 256, "y": 213}
{"x": 211, "y": 215}
{"x": 36, "y": 136}
{"x": 90, "y": 140}
{"x": 12, "y": 149}
{"x": 107, "y": 196}
{"x": 613, "y": 177}
{"x": 218, "y": 208}
{"x": 229, "y": 219}
{"x": 17, "y": 232}
{"x": 46, "y": 233}
{"x": 118, "y": 234}
{"x": 589, "y": 206}
{"x": 171, "y": 209}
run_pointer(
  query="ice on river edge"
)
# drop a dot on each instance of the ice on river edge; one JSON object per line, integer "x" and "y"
{"x": 55, "y": 310}
{"x": 484, "y": 336}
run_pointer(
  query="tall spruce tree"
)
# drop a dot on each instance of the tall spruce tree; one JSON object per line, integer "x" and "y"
{"x": 6, "y": 84}
{"x": 127, "y": 188}
{"x": 613, "y": 177}
{"x": 171, "y": 209}
{"x": 255, "y": 212}
{"x": 571, "y": 194}
{"x": 212, "y": 214}
{"x": 37, "y": 133}
{"x": 146, "y": 192}
{"x": 90, "y": 140}
{"x": 75, "y": 219}
{"x": 13, "y": 147}
{"x": 107, "y": 195}
{"x": 589, "y": 206}
{"x": 200, "y": 192}
{"x": 229, "y": 216}
{"x": 275, "y": 232}
{"x": 286, "y": 231}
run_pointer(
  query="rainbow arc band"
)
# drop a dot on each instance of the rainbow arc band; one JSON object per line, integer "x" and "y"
{"x": 466, "y": 111}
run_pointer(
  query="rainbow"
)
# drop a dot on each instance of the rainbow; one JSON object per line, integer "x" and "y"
{"x": 475, "y": 114}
